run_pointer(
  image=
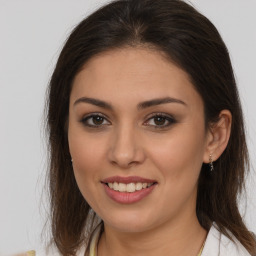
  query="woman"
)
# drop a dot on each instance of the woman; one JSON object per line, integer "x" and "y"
{"x": 148, "y": 151}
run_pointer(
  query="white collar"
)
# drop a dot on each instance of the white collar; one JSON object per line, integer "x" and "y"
{"x": 217, "y": 244}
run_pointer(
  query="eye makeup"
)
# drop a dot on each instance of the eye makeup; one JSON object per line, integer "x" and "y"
{"x": 156, "y": 120}
{"x": 162, "y": 120}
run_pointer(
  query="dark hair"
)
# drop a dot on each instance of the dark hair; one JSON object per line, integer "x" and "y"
{"x": 190, "y": 41}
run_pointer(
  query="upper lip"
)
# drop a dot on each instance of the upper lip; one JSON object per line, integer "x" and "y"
{"x": 127, "y": 180}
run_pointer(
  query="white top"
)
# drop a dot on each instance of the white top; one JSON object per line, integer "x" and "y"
{"x": 216, "y": 244}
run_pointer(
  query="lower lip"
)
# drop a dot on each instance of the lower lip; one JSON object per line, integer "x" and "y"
{"x": 128, "y": 197}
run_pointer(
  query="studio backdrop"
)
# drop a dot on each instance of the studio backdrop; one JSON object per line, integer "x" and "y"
{"x": 32, "y": 34}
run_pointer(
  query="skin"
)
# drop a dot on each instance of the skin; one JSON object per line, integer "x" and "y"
{"x": 127, "y": 143}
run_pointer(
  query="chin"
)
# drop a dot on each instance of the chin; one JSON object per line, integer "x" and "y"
{"x": 127, "y": 227}
{"x": 128, "y": 222}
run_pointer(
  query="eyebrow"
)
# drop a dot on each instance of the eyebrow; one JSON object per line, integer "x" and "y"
{"x": 140, "y": 106}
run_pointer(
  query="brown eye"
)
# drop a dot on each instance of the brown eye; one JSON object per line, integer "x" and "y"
{"x": 97, "y": 120}
{"x": 94, "y": 121}
{"x": 159, "y": 121}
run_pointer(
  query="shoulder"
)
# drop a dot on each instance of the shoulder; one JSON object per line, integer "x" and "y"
{"x": 217, "y": 244}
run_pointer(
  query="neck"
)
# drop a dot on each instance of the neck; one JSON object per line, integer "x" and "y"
{"x": 174, "y": 238}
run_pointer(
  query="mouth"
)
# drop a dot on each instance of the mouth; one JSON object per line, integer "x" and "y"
{"x": 128, "y": 189}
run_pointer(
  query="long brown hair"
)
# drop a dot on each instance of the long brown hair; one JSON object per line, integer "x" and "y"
{"x": 192, "y": 42}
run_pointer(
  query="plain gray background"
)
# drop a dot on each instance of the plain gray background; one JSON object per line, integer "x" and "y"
{"x": 32, "y": 33}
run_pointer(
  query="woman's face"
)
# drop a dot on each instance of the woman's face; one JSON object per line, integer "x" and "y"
{"x": 137, "y": 138}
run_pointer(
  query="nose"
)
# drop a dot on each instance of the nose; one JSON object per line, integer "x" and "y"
{"x": 126, "y": 148}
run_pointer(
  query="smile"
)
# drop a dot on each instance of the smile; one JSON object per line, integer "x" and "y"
{"x": 131, "y": 187}
{"x": 127, "y": 190}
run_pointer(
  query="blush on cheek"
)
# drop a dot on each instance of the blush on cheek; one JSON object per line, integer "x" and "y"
{"x": 85, "y": 149}
{"x": 87, "y": 162}
{"x": 83, "y": 181}
{"x": 177, "y": 157}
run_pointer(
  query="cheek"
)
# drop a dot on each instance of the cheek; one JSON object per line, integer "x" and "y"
{"x": 88, "y": 153}
{"x": 179, "y": 161}
{"x": 86, "y": 148}
{"x": 178, "y": 156}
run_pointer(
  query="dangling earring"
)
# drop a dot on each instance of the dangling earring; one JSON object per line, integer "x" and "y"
{"x": 211, "y": 163}
{"x": 71, "y": 161}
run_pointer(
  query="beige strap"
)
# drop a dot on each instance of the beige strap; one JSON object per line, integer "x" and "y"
{"x": 31, "y": 253}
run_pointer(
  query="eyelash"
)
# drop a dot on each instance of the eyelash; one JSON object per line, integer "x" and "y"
{"x": 168, "y": 118}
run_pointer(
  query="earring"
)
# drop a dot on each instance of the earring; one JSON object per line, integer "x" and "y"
{"x": 211, "y": 163}
{"x": 72, "y": 160}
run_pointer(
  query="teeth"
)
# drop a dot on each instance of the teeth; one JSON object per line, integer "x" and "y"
{"x": 138, "y": 186}
{"x": 116, "y": 186}
{"x": 122, "y": 187}
{"x": 131, "y": 187}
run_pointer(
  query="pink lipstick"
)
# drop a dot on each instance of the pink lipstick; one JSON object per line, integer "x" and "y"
{"x": 127, "y": 190}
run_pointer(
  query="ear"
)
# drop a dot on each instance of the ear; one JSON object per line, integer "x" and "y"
{"x": 218, "y": 136}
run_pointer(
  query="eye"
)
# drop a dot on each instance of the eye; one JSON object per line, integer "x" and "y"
{"x": 160, "y": 120}
{"x": 95, "y": 121}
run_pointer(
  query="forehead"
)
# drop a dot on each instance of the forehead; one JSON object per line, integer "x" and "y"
{"x": 129, "y": 73}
